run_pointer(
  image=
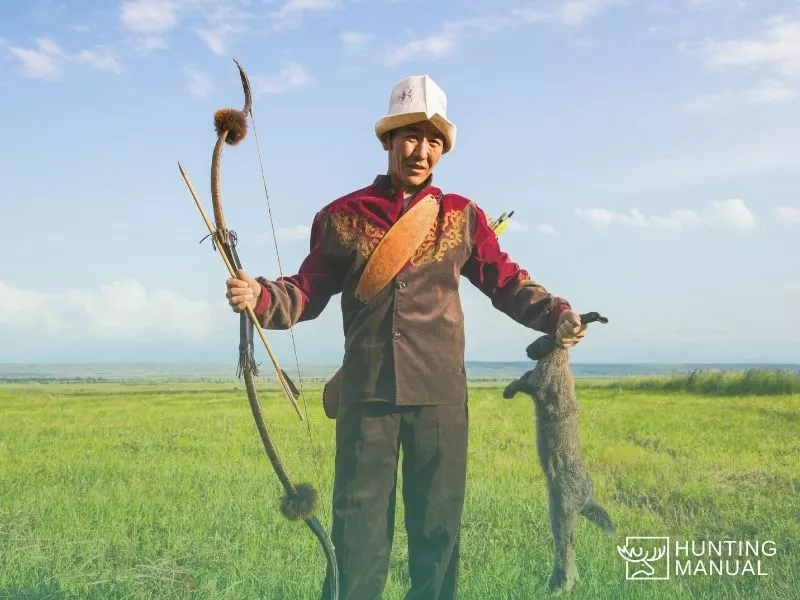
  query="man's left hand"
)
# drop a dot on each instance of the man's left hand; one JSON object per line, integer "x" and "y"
{"x": 569, "y": 330}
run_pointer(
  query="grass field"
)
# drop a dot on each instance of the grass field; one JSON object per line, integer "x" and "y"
{"x": 163, "y": 491}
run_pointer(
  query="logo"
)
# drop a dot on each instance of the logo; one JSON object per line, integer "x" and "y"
{"x": 405, "y": 96}
{"x": 646, "y": 558}
{"x": 651, "y": 558}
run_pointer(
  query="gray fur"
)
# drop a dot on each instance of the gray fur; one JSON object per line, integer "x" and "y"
{"x": 569, "y": 486}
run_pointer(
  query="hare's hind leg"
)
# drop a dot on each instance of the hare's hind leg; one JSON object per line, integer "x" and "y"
{"x": 565, "y": 570}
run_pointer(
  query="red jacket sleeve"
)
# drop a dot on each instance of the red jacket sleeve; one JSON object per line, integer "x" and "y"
{"x": 508, "y": 285}
{"x": 302, "y": 297}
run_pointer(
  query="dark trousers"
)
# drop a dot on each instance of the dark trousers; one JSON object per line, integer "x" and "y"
{"x": 368, "y": 441}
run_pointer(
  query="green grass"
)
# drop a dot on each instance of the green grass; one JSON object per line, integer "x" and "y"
{"x": 751, "y": 382}
{"x": 163, "y": 491}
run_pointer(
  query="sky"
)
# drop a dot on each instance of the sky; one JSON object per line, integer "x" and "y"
{"x": 649, "y": 149}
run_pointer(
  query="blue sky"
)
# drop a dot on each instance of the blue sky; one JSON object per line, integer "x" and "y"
{"x": 650, "y": 151}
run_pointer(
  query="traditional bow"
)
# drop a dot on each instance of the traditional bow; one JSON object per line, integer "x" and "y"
{"x": 300, "y": 500}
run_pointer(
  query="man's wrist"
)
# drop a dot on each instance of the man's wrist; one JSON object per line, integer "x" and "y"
{"x": 555, "y": 314}
{"x": 262, "y": 303}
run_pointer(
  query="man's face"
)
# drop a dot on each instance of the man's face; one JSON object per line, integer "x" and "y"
{"x": 414, "y": 151}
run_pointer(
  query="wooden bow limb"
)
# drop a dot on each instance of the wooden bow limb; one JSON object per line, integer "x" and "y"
{"x": 251, "y": 315}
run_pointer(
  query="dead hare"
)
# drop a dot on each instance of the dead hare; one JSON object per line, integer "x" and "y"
{"x": 569, "y": 487}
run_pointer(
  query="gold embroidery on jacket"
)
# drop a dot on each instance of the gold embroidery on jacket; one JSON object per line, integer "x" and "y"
{"x": 451, "y": 236}
{"x": 357, "y": 231}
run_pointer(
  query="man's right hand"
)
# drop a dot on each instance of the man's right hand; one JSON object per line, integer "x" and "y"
{"x": 243, "y": 291}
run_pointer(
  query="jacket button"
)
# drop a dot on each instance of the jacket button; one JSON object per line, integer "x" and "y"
{"x": 401, "y": 285}
{"x": 395, "y": 335}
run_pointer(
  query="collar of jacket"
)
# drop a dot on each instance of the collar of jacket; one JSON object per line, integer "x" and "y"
{"x": 384, "y": 184}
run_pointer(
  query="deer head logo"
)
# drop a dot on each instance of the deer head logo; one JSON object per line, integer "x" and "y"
{"x": 643, "y": 557}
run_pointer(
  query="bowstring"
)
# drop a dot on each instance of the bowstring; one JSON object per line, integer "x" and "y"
{"x": 280, "y": 272}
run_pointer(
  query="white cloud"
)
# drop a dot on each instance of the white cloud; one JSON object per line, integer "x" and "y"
{"x": 291, "y": 76}
{"x": 290, "y": 13}
{"x": 294, "y": 6}
{"x": 122, "y": 310}
{"x": 445, "y": 43}
{"x": 223, "y": 22}
{"x": 516, "y": 225}
{"x": 571, "y": 13}
{"x": 48, "y": 46}
{"x": 47, "y": 62}
{"x": 149, "y": 15}
{"x": 788, "y": 214}
{"x": 213, "y": 41}
{"x": 602, "y": 217}
{"x": 731, "y": 213}
{"x": 43, "y": 63}
{"x": 436, "y": 45}
{"x": 531, "y": 15}
{"x": 104, "y": 61}
{"x": 23, "y": 308}
{"x": 718, "y": 3}
{"x": 767, "y": 94}
{"x": 199, "y": 84}
{"x": 676, "y": 219}
{"x": 355, "y": 39}
{"x": 575, "y": 12}
{"x": 776, "y": 47}
{"x": 148, "y": 43}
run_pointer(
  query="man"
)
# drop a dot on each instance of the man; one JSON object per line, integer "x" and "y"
{"x": 403, "y": 382}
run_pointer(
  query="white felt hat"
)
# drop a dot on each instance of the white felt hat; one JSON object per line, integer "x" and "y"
{"x": 414, "y": 99}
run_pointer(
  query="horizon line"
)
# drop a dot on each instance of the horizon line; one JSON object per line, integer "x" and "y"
{"x": 466, "y": 362}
